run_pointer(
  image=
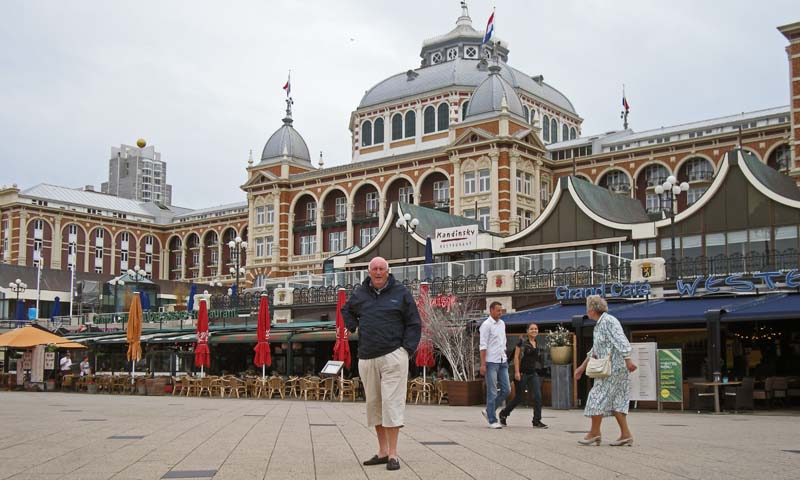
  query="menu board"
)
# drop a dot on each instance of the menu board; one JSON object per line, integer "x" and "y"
{"x": 49, "y": 360}
{"x": 27, "y": 358}
{"x": 643, "y": 380}
{"x": 670, "y": 375}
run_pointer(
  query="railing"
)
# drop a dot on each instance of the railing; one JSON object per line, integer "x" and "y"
{"x": 753, "y": 262}
{"x": 365, "y": 216}
{"x": 549, "y": 279}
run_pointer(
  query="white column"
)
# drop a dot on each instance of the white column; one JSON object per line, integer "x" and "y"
{"x": 494, "y": 218}
{"x": 514, "y": 222}
{"x": 350, "y": 209}
{"x": 320, "y": 240}
{"x": 23, "y": 239}
{"x": 537, "y": 188}
{"x": 56, "y": 245}
{"x": 457, "y": 182}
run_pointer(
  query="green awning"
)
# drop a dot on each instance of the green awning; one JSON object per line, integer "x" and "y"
{"x": 248, "y": 337}
{"x": 320, "y": 336}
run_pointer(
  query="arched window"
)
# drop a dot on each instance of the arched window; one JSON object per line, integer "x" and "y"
{"x": 565, "y": 132}
{"x": 546, "y": 128}
{"x": 429, "y": 120}
{"x": 573, "y": 134}
{"x": 553, "y": 130}
{"x": 411, "y": 124}
{"x": 525, "y": 113}
{"x": 397, "y": 126}
{"x": 378, "y": 131}
{"x": 464, "y": 107}
{"x": 780, "y": 158}
{"x": 366, "y": 134}
{"x": 617, "y": 182}
{"x": 444, "y": 117}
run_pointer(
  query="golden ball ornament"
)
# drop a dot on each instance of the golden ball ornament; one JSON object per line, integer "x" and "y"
{"x": 141, "y": 143}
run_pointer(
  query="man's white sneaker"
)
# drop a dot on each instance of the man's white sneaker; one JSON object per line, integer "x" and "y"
{"x": 495, "y": 425}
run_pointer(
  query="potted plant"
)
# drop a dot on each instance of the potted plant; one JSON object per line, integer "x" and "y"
{"x": 560, "y": 341}
{"x": 448, "y": 329}
{"x": 50, "y": 383}
{"x": 91, "y": 387}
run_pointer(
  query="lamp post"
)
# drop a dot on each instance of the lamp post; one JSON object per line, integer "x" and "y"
{"x": 117, "y": 282}
{"x": 237, "y": 246}
{"x": 71, "y": 260}
{"x": 667, "y": 194}
{"x": 137, "y": 274}
{"x": 18, "y": 286}
{"x": 408, "y": 225}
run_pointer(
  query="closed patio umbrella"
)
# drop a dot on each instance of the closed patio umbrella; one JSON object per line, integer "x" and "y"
{"x": 56, "y": 312}
{"x": 424, "y": 357}
{"x": 428, "y": 258}
{"x": 202, "y": 355}
{"x": 341, "y": 349}
{"x": 20, "y": 310}
{"x": 134, "y": 333}
{"x": 192, "y": 293}
{"x": 263, "y": 356}
{"x": 145, "y": 301}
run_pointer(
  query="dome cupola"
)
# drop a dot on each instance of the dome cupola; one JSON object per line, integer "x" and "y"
{"x": 493, "y": 96}
{"x": 286, "y": 141}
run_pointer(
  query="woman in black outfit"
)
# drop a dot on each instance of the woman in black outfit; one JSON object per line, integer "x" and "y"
{"x": 527, "y": 362}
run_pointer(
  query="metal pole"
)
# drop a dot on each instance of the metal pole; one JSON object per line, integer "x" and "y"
{"x": 672, "y": 232}
{"x": 72, "y": 291}
{"x": 38, "y": 284}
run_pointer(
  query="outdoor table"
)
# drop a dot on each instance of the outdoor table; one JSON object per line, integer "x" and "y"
{"x": 716, "y": 386}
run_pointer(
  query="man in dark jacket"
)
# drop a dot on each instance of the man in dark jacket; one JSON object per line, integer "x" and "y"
{"x": 386, "y": 317}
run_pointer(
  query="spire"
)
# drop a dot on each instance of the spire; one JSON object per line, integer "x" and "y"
{"x": 464, "y": 19}
{"x": 250, "y": 158}
{"x": 320, "y": 159}
{"x": 287, "y": 120}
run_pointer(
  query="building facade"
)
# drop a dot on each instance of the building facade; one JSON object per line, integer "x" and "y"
{"x": 465, "y": 133}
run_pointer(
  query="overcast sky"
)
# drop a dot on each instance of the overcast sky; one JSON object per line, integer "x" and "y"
{"x": 201, "y": 80}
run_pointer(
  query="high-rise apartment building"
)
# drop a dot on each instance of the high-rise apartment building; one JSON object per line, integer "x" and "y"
{"x": 138, "y": 174}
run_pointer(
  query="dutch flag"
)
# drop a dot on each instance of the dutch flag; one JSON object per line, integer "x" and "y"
{"x": 288, "y": 86}
{"x": 625, "y": 103}
{"x": 489, "y": 29}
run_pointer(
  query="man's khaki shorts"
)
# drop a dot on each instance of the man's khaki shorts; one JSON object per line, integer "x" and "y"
{"x": 385, "y": 380}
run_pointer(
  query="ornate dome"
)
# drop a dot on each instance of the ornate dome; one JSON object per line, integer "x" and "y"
{"x": 492, "y": 95}
{"x": 286, "y": 141}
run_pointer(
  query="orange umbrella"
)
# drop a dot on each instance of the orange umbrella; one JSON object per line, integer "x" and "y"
{"x": 134, "y": 332}
{"x": 27, "y": 337}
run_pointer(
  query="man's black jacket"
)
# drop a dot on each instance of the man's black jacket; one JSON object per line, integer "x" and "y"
{"x": 385, "y": 320}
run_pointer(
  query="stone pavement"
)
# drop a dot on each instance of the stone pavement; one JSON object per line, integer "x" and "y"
{"x": 80, "y": 436}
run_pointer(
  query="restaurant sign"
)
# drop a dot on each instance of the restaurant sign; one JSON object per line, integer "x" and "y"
{"x": 610, "y": 290}
{"x": 737, "y": 283}
{"x": 455, "y": 239}
{"x": 670, "y": 375}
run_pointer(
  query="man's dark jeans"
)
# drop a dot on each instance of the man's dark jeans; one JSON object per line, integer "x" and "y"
{"x": 532, "y": 383}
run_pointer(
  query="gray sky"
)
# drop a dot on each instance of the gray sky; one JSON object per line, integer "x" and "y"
{"x": 202, "y": 80}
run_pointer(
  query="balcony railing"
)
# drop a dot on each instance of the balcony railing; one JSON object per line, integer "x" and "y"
{"x": 333, "y": 220}
{"x": 365, "y": 215}
{"x": 620, "y": 188}
{"x": 700, "y": 176}
{"x": 723, "y": 265}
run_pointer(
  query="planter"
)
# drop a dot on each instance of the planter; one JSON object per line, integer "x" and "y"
{"x": 155, "y": 386}
{"x": 50, "y": 385}
{"x": 561, "y": 355}
{"x": 141, "y": 388}
{"x": 463, "y": 393}
{"x": 91, "y": 388}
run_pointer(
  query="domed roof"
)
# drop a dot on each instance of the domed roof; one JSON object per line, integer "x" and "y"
{"x": 461, "y": 72}
{"x": 285, "y": 141}
{"x": 490, "y": 96}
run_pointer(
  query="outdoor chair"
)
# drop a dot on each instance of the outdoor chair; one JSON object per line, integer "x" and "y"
{"x": 275, "y": 385}
{"x": 326, "y": 388}
{"x": 357, "y": 386}
{"x": 67, "y": 383}
{"x": 104, "y": 383}
{"x": 780, "y": 389}
{"x": 253, "y": 385}
{"x": 700, "y": 397}
{"x": 205, "y": 386}
{"x": 441, "y": 391}
{"x": 291, "y": 387}
{"x": 309, "y": 387}
{"x": 740, "y": 397}
{"x": 347, "y": 388}
{"x": 237, "y": 387}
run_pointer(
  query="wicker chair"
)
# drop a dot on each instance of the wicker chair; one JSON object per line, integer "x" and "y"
{"x": 441, "y": 391}
{"x": 309, "y": 387}
{"x": 326, "y": 388}
{"x": 347, "y": 388}
{"x": 275, "y": 385}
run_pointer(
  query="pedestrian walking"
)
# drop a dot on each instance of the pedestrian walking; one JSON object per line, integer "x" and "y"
{"x": 86, "y": 368}
{"x": 389, "y": 329}
{"x": 494, "y": 363}
{"x": 609, "y": 395}
{"x": 527, "y": 364}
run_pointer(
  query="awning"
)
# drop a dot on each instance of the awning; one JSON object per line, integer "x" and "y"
{"x": 249, "y": 337}
{"x": 672, "y": 310}
{"x": 27, "y": 337}
{"x": 184, "y": 337}
{"x": 320, "y": 336}
{"x": 112, "y": 339}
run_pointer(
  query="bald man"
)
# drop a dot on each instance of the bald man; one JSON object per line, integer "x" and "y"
{"x": 386, "y": 317}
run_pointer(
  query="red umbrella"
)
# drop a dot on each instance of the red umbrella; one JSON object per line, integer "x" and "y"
{"x": 263, "y": 356}
{"x": 341, "y": 349}
{"x": 202, "y": 356}
{"x": 424, "y": 356}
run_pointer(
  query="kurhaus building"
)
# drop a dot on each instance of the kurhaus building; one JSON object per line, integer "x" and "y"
{"x": 465, "y": 133}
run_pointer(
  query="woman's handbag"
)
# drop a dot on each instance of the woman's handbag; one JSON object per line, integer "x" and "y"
{"x": 599, "y": 367}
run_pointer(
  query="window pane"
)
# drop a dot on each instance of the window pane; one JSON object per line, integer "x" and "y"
{"x": 759, "y": 240}
{"x": 411, "y": 124}
{"x": 377, "y": 134}
{"x": 546, "y": 128}
{"x": 443, "y": 122}
{"x": 429, "y": 120}
{"x": 464, "y": 107}
{"x": 366, "y": 134}
{"x": 785, "y": 238}
{"x": 397, "y": 127}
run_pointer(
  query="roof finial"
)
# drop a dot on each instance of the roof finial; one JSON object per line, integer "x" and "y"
{"x": 320, "y": 159}
{"x": 625, "y": 108}
{"x": 464, "y": 19}
{"x": 289, "y": 101}
{"x": 250, "y": 158}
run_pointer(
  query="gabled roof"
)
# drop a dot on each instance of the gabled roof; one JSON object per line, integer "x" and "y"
{"x": 772, "y": 179}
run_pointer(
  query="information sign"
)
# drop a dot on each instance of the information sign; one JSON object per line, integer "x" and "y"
{"x": 643, "y": 380}
{"x": 49, "y": 360}
{"x": 670, "y": 375}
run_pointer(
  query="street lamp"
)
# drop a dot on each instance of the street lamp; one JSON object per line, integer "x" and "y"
{"x": 408, "y": 225}
{"x": 117, "y": 282}
{"x": 17, "y": 286}
{"x": 237, "y": 246}
{"x": 137, "y": 274}
{"x": 667, "y": 194}
{"x": 71, "y": 260}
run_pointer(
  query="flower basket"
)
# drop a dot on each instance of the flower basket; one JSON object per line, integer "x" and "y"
{"x": 560, "y": 341}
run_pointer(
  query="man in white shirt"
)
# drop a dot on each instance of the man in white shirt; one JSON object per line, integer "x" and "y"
{"x": 66, "y": 364}
{"x": 494, "y": 364}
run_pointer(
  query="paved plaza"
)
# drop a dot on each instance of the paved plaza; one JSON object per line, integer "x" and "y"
{"x": 80, "y": 436}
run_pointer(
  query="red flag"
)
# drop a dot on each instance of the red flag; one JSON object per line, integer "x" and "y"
{"x": 202, "y": 356}
{"x": 263, "y": 355}
{"x": 424, "y": 357}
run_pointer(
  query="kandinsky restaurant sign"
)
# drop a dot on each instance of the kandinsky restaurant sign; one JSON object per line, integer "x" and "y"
{"x": 687, "y": 288}
{"x": 455, "y": 239}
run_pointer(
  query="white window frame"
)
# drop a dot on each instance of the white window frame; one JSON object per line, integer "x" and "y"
{"x": 270, "y": 214}
{"x": 259, "y": 215}
{"x": 308, "y": 244}
{"x": 340, "y": 208}
{"x": 484, "y": 180}
{"x": 259, "y": 247}
{"x": 406, "y": 194}
{"x": 268, "y": 245}
{"x": 441, "y": 192}
{"x": 469, "y": 183}
{"x": 484, "y": 217}
{"x": 372, "y": 203}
